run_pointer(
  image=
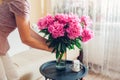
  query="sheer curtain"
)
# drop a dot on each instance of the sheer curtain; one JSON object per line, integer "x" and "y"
{"x": 102, "y": 53}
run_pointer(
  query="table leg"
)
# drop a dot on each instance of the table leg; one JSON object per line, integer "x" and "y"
{"x": 80, "y": 79}
{"x": 45, "y": 78}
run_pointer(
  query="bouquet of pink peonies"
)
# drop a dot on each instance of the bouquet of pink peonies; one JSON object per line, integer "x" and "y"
{"x": 65, "y": 31}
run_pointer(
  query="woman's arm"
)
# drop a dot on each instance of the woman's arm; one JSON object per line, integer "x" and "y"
{"x": 28, "y": 36}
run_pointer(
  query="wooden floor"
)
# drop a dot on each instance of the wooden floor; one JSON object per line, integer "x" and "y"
{"x": 92, "y": 76}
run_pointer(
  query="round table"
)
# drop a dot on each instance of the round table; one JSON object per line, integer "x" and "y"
{"x": 49, "y": 71}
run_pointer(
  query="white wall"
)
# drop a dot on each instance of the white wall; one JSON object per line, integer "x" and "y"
{"x": 16, "y": 46}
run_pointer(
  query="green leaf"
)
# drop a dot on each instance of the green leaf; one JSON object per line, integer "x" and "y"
{"x": 64, "y": 47}
{"x": 53, "y": 50}
{"x": 61, "y": 55}
{"x": 59, "y": 46}
{"x": 61, "y": 49}
{"x": 68, "y": 47}
{"x": 47, "y": 41}
{"x": 57, "y": 54}
{"x": 77, "y": 43}
{"x": 45, "y": 31}
{"x": 51, "y": 44}
{"x": 72, "y": 42}
{"x": 71, "y": 46}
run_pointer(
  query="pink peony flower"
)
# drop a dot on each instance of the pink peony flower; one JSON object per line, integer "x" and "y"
{"x": 86, "y": 21}
{"x": 62, "y": 18}
{"x": 74, "y": 30}
{"x": 73, "y": 18}
{"x": 56, "y": 29}
{"x": 45, "y": 21}
{"x": 56, "y": 26}
{"x": 65, "y": 30}
{"x": 87, "y": 34}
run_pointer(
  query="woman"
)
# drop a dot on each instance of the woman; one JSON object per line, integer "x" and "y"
{"x": 15, "y": 14}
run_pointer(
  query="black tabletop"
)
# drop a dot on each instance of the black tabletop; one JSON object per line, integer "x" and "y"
{"x": 49, "y": 71}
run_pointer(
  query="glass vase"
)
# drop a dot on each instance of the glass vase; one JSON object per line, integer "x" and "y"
{"x": 61, "y": 61}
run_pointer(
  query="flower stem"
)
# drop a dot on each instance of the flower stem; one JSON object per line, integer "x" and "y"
{"x": 60, "y": 57}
